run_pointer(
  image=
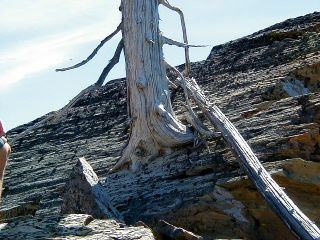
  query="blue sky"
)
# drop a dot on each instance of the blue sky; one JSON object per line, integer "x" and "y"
{"x": 37, "y": 36}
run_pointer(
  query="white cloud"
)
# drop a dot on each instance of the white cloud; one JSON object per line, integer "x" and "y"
{"x": 33, "y": 53}
{"x": 35, "y": 14}
{"x": 38, "y": 56}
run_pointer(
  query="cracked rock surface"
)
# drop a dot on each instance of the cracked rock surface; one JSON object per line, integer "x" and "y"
{"x": 73, "y": 226}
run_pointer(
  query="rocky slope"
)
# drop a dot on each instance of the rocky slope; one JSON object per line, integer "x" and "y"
{"x": 73, "y": 226}
{"x": 266, "y": 83}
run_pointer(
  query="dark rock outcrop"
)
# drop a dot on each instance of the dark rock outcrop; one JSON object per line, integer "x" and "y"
{"x": 85, "y": 194}
{"x": 268, "y": 85}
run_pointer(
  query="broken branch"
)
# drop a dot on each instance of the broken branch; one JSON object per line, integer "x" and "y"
{"x": 114, "y": 60}
{"x": 198, "y": 125}
{"x": 95, "y": 51}
{"x": 174, "y": 232}
{"x": 179, "y": 44}
{"x": 171, "y": 84}
{"x": 192, "y": 119}
{"x": 184, "y": 32}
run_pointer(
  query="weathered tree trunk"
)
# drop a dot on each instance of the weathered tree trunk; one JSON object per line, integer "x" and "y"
{"x": 154, "y": 127}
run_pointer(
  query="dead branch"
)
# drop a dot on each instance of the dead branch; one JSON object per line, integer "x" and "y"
{"x": 184, "y": 32}
{"x": 171, "y": 83}
{"x": 198, "y": 125}
{"x": 114, "y": 60}
{"x": 106, "y": 70}
{"x": 183, "y": 85}
{"x": 192, "y": 119}
{"x": 55, "y": 116}
{"x": 179, "y": 44}
{"x": 277, "y": 199}
{"x": 174, "y": 232}
{"x": 95, "y": 51}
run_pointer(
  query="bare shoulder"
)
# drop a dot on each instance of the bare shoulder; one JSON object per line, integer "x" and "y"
{"x": 6, "y": 147}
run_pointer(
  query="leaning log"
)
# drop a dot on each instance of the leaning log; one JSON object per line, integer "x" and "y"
{"x": 293, "y": 217}
{"x": 277, "y": 199}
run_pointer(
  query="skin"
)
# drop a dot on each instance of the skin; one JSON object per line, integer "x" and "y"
{"x": 4, "y": 155}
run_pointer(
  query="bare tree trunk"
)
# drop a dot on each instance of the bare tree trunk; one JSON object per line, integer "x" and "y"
{"x": 154, "y": 127}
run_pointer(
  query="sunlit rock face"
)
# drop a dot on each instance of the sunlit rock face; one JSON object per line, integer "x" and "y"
{"x": 72, "y": 226}
{"x": 268, "y": 84}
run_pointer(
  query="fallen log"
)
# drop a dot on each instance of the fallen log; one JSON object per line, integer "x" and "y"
{"x": 277, "y": 199}
{"x": 280, "y": 203}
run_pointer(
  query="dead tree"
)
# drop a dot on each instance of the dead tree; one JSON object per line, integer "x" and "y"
{"x": 154, "y": 128}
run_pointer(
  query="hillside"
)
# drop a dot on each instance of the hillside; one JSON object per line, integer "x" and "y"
{"x": 268, "y": 85}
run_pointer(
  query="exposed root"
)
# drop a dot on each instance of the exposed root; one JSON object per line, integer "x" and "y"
{"x": 121, "y": 164}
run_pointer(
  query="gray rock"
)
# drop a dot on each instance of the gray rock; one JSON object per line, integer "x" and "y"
{"x": 73, "y": 226}
{"x": 84, "y": 194}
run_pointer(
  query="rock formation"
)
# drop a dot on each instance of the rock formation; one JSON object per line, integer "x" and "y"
{"x": 84, "y": 194}
{"x": 73, "y": 226}
{"x": 266, "y": 83}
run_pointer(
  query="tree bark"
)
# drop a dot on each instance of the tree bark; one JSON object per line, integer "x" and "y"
{"x": 154, "y": 128}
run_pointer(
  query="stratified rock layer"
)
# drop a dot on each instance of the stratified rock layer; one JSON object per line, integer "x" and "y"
{"x": 266, "y": 83}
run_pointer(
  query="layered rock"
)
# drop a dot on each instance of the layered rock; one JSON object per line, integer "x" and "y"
{"x": 85, "y": 194}
{"x": 266, "y": 83}
{"x": 73, "y": 226}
